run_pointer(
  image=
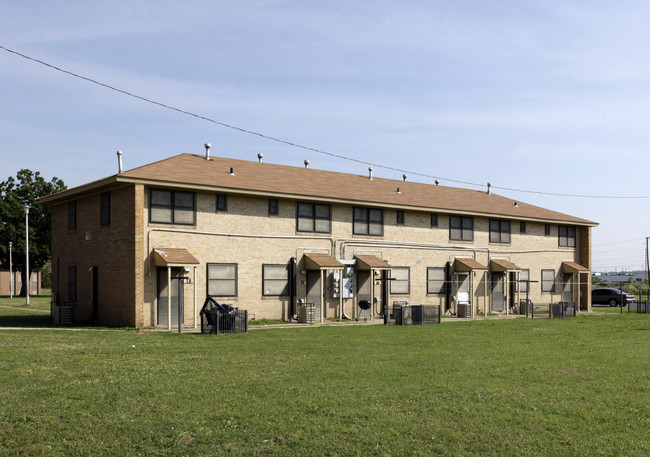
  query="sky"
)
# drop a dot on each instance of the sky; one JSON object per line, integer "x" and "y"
{"x": 543, "y": 97}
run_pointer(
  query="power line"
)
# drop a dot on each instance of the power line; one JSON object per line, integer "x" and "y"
{"x": 296, "y": 145}
{"x": 619, "y": 242}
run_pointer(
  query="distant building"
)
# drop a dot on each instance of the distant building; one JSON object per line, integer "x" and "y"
{"x": 621, "y": 277}
{"x": 135, "y": 248}
{"x": 5, "y": 281}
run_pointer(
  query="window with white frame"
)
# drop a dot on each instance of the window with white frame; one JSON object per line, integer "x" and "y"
{"x": 275, "y": 280}
{"x": 222, "y": 279}
{"x": 436, "y": 280}
{"x": 400, "y": 284}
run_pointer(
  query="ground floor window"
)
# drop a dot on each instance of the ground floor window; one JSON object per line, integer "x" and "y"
{"x": 222, "y": 279}
{"x": 548, "y": 280}
{"x": 275, "y": 280}
{"x": 524, "y": 277}
{"x": 400, "y": 285}
{"x": 72, "y": 284}
{"x": 436, "y": 280}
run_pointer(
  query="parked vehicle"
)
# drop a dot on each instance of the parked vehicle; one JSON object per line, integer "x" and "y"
{"x": 611, "y": 297}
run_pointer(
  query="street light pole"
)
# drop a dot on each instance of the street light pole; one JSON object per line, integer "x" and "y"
{"x": 647, "y": 265}
{"x": 11, "y": 273}
{"x": 27, "y": 251}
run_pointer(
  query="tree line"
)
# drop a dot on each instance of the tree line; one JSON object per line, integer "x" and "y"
{"x": 16, "y": 192}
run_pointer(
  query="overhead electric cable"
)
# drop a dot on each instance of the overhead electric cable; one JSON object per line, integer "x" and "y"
{"x": 296, "y": 145}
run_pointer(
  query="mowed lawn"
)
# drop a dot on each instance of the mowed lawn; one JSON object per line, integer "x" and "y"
{"x": 517, "y": 387}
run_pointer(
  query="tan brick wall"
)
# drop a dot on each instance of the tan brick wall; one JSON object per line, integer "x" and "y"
{"x": 249, "y": 216}
{"x": 110, "y": 248}
{"x": 248, "y": 237}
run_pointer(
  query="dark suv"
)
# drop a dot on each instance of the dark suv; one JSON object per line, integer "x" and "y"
{"x": 611, "y": 297}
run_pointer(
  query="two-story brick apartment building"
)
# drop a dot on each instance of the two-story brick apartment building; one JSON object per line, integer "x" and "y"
{"x": 269, "y": 238}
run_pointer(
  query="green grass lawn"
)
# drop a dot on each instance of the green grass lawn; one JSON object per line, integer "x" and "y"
{"x": 516, "y": 387}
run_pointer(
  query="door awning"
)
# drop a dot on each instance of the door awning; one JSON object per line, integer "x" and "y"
{"x": 315, "y": 261}
{"x": 468, "y": 265}
{"x": 173, "y": 257}
{"x": 371, "y": 262}
{"x": 572, "y": 267}
{"x": 502, "y": 265}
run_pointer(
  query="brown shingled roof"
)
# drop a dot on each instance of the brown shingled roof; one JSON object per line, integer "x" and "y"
{"x": 468, "y": 265}
{"x": 372, "y": 262}
{"x": 502, "y": 265}
{"x": 168, "y": 256}
{"x": 194, "y": 171}
{"x": 316, "y": 261}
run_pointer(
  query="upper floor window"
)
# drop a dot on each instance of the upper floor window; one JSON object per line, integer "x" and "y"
{"x": 567, "y": 236}
{"x": 400, "y": 217}
{"x": 461, "y": 228}
{"x": 172, "y": 207}
{"x": 368, "y": 221}
{"x": 522, "y": 227}
{"x": 436, "y": 280}
{"x": 434, "y": 220}
{"x": 72, "y": 215}
{"x": 222, "y": 203}
{"x": 313, "y": 217}
{"x": 499, "y": 231}
{"x": 105, "y": 208}
{"x": 547, "y": 229}
{"x": 274, "y": 207}
{"x": 400, "y": 285}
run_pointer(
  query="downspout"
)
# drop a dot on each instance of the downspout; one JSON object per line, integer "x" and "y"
{"x": 447, "y": 286}
{"x": 194, "y": 293}
{"x": 292, "y": 288}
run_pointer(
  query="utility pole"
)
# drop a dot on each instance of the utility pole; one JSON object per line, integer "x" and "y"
{"x": 647, "y": 263}
{"x": 11, "y": 273}
{"x": 27, "y": 252}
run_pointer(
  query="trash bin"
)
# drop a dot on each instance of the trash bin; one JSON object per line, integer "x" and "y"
{"x": 222, "y": 318}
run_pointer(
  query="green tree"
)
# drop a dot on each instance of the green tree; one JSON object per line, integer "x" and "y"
{"x": 15, "y": 193}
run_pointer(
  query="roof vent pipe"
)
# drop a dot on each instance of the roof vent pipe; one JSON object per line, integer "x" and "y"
{"x": 489, "y": 185}
{"x": 260, "y": 156}
{"x": 119, "y": 161}
{"x": 207, "y": 151}
{"x": 399, "y": 191}
{"x": 404, "y": 176}
{"x": 370, "y": 173}
{"x": 306, "y": 163}
{"x": 437, "y": 182}
{"x": 232, "y": 172}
